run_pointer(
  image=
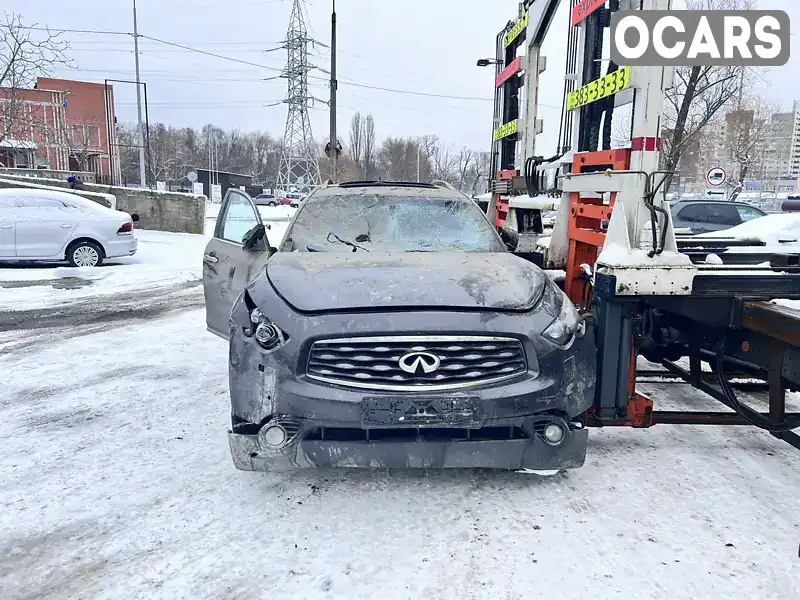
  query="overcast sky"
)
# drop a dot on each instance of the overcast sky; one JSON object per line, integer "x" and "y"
{"x": 425, "y": 46}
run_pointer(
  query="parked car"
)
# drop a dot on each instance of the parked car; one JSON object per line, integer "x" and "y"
{"x": 295, "y": 198}
{"x": 392, "y": 326}
{"x": 549, "y": 218}
{"x": 266, "y": 200}
{"x": 45, "y": 225}
{"x": 703, "y": 216}
{"x": 270, "y": 200}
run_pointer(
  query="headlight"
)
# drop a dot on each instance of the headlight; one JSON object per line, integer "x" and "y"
{"x": 264, "y": 331}
{"x": 568, "y": 323}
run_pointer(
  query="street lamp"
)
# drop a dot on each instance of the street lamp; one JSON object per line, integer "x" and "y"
{"x": 485, "y": 62}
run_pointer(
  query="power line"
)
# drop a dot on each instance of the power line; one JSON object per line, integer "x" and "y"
{"x": 275, "y": 69}
{"x": 214, "y": 54}
{"x": 91, "y": 31}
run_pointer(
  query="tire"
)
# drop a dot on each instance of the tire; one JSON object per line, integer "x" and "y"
{"x": 272, "y": 203}
{"x": 85, "y": 254}
{"x": 293, "y": 205}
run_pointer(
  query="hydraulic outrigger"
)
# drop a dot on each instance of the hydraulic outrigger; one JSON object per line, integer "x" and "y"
{"x": 642, "y": 287}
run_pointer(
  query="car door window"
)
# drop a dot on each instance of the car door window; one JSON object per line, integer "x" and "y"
{"x": 239, "y": 218}
{"x": 39, "y": 208}
{"x": 747, "y": 213}
{"x": 723, "y": 214}
{"x": 696, "y": 213}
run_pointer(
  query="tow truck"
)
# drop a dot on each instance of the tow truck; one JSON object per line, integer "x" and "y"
{"x": 649, "y": 293}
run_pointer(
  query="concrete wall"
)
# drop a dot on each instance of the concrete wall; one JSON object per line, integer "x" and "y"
{"x": 107, "y": 200}
{"x": 162, "y": 211}
{"x": 85, "y": 176}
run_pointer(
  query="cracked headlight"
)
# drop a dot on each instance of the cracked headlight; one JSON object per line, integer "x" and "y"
{"x": 568, "y": 324}
{"x": 264, "y": 332}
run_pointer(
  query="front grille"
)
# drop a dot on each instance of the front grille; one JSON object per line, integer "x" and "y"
{"x": 375, "y": 363}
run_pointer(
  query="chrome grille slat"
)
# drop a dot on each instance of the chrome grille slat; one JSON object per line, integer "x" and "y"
{"x": 373, "y": 362}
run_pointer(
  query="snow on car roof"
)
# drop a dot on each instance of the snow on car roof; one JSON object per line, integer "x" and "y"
{"x": 771, "y": 229}
{"x": 58, "y": 194}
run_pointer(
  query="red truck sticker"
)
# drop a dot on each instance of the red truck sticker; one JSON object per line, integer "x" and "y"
{"x": 584, "y": 9}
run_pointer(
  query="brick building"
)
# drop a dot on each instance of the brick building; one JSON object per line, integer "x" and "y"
{"x": 61, "y": 125}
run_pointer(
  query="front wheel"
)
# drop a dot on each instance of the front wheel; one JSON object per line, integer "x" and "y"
{"x": 85, "y": 254}
{"x": 272, "y": 204}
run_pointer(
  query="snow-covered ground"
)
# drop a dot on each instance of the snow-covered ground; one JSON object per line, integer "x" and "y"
{"x": 116, "y": 481}
{"x": 163, "y": 260}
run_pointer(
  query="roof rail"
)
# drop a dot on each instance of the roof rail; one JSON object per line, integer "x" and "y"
{"x": 444, "y": 184}
{"x": 386, "y": 184}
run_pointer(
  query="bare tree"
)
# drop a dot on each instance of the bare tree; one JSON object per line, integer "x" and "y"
{"x": 749, "y": 129}
{"x": 699, "y": 94}
{"x": 84, "y": 141}
{"x": 479, "y": 172}
{"x": 357, "y": 138}
{"x": 444, "y": 164}
{"x": 369, "y": 146}
{"x": 24, "y": 55}
{"x": 464, "y": 162}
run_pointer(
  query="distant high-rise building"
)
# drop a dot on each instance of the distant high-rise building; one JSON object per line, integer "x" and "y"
{"x": 782, "y": 153}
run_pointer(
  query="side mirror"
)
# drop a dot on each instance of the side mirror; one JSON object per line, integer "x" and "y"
{"x": 510, "y": 238}
{"x": 135, "y": 218}
{"x": 256, "y": 240}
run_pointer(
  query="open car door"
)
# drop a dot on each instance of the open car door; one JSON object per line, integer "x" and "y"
{"x": 239, "y": 247}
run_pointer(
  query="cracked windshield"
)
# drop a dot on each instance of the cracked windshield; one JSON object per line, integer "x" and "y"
{"x": 383, "y": 223}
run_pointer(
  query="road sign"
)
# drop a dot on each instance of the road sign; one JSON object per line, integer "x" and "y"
{"x": 716, "y": 177}
{"x": 192, "y": 176}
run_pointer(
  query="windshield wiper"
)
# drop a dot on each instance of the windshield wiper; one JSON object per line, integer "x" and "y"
{"x": 313, "y": 248}
{"x": 336, "y": 238}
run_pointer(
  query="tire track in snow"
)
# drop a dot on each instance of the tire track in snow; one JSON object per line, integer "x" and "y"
{"x": 20, "y": 331}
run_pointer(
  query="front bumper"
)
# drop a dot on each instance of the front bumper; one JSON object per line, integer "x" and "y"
{"x": 330, "y": 430}
{"x": 533, "y": 453}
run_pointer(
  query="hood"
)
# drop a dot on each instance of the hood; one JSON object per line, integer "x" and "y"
{"x": 314, "y": 282}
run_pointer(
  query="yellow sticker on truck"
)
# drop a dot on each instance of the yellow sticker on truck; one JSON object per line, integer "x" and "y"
{"x": 515, "y": 30}
{"x": 611, "y": 84}
{"x": 506, "y": 130}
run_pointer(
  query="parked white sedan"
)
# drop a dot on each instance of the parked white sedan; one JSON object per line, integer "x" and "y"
{"x": 48, "y": 225}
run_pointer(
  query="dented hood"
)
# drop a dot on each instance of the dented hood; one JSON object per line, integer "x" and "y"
{"x": 315, "y": 282}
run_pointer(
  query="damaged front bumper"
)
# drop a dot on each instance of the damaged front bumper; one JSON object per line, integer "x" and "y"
{"x": 530, "y": 450}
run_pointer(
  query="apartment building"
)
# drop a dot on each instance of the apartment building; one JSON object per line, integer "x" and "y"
{"x": 60, "y": 124}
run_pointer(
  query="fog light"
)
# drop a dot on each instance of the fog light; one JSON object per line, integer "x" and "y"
{"x": 553, "y": 433}
{"x": 274, "y": 436}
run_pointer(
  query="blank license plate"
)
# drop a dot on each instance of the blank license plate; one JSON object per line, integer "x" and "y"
{"x": 420, "y": 412}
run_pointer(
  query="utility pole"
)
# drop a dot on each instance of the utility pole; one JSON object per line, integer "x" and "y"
{"x": 142, "y": 178}
{"x": 334, "y": 145}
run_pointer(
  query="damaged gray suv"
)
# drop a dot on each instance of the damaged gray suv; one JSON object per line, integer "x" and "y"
{"x": 393, "y": 327}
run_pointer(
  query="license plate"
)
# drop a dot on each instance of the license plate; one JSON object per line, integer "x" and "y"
{"x": 421, "y": 412}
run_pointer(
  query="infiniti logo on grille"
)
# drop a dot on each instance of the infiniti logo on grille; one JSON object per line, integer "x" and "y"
{"x": 419, "y": 362}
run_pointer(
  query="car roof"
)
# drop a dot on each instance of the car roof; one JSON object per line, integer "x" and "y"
{"x": 49, "y": 194}
{"x": 56, "y": 195}
{"x": 732, "y": 203}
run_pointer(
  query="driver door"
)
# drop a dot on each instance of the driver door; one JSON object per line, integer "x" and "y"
{"x": 227, "y": 265}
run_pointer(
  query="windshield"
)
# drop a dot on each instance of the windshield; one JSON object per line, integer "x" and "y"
{"x": 383, "y": 223}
